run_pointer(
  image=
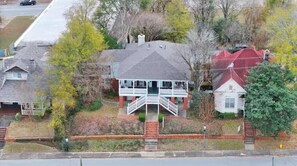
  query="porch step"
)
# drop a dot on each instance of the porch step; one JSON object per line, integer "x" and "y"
{"x": 151, "y": 130}
{"x": 151, "y": 145}
{"x": 2, "y": 137}
{"x": 249, "y": 134}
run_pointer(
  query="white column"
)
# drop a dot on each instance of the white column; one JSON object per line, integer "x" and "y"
{"x": 146, "y": 87}
{"x": 133, "y": 86}
{"x": 159, "y": 84}
{"x": 172, "y": 87}
{"x": 120, "y": 86}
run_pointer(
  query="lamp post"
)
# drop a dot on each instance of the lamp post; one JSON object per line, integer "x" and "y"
{"x": 66, "y": 145}
{"x": 204, "y": 132}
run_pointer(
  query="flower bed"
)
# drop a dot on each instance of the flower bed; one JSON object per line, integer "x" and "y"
{"x": 98, "y": 125}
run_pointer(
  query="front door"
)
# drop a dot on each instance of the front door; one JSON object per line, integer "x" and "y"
{"x": 154, "y": 84}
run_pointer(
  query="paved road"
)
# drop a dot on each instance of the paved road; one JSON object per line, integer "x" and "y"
{"x": 225, "y": 161}
{"x": 17, "y": 10}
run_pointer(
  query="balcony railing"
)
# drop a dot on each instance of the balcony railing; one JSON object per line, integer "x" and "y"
{"x": 144, "y": 92}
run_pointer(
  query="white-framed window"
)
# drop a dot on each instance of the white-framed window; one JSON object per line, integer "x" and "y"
{"x": 229, "y": 102}
{"x": 17, "y": 75}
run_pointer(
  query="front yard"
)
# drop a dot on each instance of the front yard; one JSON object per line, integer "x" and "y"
{"x": 217, "y": 127}
{"x": 28, "y": 129}
{"x": 105, "y": 122}
{"x": 198, "y": 145}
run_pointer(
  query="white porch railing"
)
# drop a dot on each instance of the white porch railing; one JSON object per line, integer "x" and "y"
{"x": 163, "y": 101}
{"x": 136, "y": 104}
{"x": 167, "y": 104}
{"x": 163, "y": 92}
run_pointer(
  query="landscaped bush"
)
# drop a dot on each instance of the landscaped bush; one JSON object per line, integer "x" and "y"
{"x": 96, "y": 125}
{"x": 218, "y": 115}
{"x": 96, "y": 105}
{"x": 214, "y": 128}
{"x": 229, "y": 115}
{"x": 18, "y": 116}
{"x": 181, "y": 126}
{"x": 141, "y": 117}
{"x": 160, "y": 118}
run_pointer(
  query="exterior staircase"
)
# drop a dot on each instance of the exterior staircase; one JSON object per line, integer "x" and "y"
{"x": 2, "y": 137}
{"x": 151, "y": 136}
{"x": 159, "y": 100}
{"x": 249, "y": 133}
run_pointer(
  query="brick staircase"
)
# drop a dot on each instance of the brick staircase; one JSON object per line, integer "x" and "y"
{"x": 2, "y": 137}
{"x": 151, "y": 130}
{"x": 249, "y": 132}
{"x": 151, "y": 136}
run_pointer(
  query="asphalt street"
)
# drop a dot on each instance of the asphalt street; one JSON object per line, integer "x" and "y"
{"x": 17, "y": 10}
{"x": 204, "y": 161}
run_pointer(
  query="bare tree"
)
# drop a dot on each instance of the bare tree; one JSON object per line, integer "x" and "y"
{"x": 88, "y": 80}
{"x": 230, "y": 8}
{"x": 149, "y": 24}
{"x": 82, "y": 11}
{"x": 203, "y": 11}
{"x": 122, "y": 13}
{"x": 206, "y": 108}
{"x": 197, "y": 55}
{"x": 159, "y": 6}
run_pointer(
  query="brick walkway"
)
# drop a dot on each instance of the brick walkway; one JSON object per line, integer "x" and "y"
{"x": 151, "y": 130}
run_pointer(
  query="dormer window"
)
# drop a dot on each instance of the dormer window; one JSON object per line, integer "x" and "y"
{"x": 17, "y": 75}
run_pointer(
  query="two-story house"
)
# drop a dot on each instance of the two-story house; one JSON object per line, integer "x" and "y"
{"x": 149, "y": 73}
{"x": 22, "y": 77}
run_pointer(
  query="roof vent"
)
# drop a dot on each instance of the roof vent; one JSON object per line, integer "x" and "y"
{"x": 231, "y": 65}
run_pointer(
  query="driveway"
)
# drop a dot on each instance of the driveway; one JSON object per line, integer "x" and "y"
{"x": 14, "y": 10}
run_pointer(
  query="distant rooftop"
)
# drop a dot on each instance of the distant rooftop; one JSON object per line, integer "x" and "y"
{"x": 49, "y": 25}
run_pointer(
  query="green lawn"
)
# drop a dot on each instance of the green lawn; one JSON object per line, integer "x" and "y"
{"x": 14, "y": 30}
{"x": 16, "y": 147}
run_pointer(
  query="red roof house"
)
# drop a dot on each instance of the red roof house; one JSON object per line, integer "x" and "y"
{"x": 229, "y": 77}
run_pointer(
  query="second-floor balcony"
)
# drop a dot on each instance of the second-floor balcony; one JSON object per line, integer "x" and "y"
{"x": 145, "y": 87}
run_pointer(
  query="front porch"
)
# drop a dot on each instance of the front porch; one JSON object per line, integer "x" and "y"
{"x": 153, "y": 87}
{"x": 152, "y": 110}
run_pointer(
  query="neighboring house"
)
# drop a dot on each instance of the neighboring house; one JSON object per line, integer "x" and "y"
{"x": 149, "y": 73}
{"x": 229, "y": 77}
{"x": 22, "y": 77}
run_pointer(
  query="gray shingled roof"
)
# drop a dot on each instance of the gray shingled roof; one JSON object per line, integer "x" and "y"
{"x": 155, "y": 60}
{"x": 153, "y": 67}
{"x": 25, "y": 90}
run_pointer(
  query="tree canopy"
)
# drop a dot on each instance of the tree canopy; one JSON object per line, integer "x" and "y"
{"x": 270, "y": 104}
{"x": 179, "y": 21}
{"x": 76, "y": 46}
{"x": 282, "y": 27}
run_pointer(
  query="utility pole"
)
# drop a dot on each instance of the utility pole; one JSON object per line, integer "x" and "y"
{"x": 272, "y": 160}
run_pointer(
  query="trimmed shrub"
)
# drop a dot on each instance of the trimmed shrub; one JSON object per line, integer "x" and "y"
{"x": 229, "y": 115}
{"x": 160, "y": 118}
{"x": 95, "y": 105}
{"x": 141, "y": 117}
{"x": 18, "y": 116}
{"x": 218, "y": 115}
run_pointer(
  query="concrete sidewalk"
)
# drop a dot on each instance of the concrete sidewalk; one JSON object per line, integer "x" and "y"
{"x": 67, "y": 155}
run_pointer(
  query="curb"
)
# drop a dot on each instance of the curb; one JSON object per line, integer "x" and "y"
{"x": 176, "y": 154}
